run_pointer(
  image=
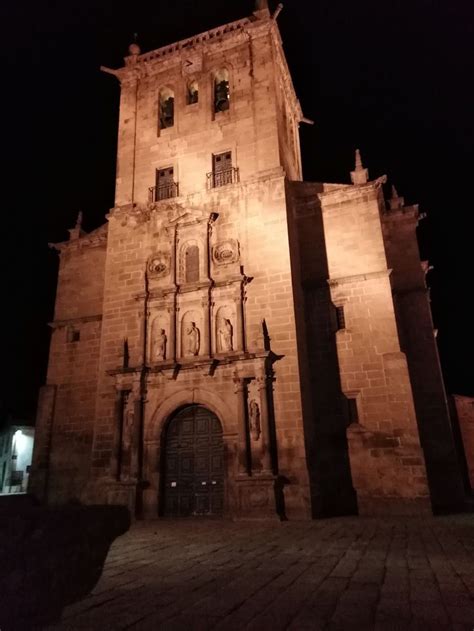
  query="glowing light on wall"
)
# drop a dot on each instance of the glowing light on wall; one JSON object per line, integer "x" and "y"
{"x": 19, "y": 442}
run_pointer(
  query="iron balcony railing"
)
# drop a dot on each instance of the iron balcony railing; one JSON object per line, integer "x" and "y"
{"x": 163, "y": 191}
{"x": 221, "y": 178}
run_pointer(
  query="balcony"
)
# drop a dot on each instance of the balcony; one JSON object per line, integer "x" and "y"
{"x": 221, "y": 178}
{"x": 163, "y": 191}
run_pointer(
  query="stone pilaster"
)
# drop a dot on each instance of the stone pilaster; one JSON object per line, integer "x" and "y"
{"x": 239, "y": 324}
{"x": 206, "y": 332}
{"x": 171, "y": 342}
{"x": 265, "y": 451}
{"x": 117, "y": 436}
{"x": 241, "y": 400}
{"x": 136, "y": 438}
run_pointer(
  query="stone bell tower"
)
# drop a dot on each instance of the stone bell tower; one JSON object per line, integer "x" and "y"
{"x": 233, "y": 340}
{"x": 198, "y": 283}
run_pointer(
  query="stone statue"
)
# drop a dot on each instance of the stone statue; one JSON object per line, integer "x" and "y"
{"x": 254, "y": 420}
{"x": 225, "y": 335}
{"x": 160, "y": 345}
{"x": 192, "y": 339}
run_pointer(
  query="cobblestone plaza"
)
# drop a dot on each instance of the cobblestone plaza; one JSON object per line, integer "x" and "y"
{"x": 345, "y": 573}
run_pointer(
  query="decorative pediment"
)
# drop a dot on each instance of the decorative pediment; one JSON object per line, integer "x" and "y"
{"x": 190, "y": 216}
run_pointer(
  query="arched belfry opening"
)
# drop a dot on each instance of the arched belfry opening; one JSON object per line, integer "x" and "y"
{"x": 193, "y": 464}
{"x": 221, "y": 90}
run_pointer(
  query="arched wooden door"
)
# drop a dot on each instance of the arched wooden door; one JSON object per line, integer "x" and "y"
{"x": 194, "y": 464}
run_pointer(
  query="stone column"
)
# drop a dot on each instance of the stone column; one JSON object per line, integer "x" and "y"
{"x": 135, "y": 447}
{"x": 115, "y": 459}
{"x": 171, "y": 341}
{"x": 206, "y": 333}
{"x": 207, "y": 254}
{"x": 239, "y": 324}
{"x": 266, "y": 457}
{"x": 242, "y": 455}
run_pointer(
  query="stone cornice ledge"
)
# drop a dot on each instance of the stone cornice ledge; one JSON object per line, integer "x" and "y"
{"x": 92, "y": 239}
{"x": 57, "y": 324}
{"x": 216, "y": 34}
{"x": 343, "y": 280}
{"x": 351, "y": 193}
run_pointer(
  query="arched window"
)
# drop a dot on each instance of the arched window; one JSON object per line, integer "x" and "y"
{"x": 166, "y": 108}
{"x": 191, "y": 264}
{"x": 221, "y": 90}
{"x": 192, "y": 95}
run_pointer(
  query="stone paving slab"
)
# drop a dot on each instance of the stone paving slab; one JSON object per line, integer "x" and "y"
{"x": 335, "y": 574}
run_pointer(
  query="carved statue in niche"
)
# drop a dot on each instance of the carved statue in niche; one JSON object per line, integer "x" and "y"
{"x": 254, "y": 420}
{"x": 225, "y": 332}
{"x": 160, "y": 345}
{"x": 192, "y": 339}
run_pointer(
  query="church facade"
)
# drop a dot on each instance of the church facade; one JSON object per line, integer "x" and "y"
{"x": 234, "y": 341}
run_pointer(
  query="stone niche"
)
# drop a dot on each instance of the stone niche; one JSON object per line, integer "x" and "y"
{"x": 225, "y": 339}
{"x": 192, "y": 334}
{"x": 158, "y": 344}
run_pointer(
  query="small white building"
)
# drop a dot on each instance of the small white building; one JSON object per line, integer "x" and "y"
{"x": 16, "y": 450}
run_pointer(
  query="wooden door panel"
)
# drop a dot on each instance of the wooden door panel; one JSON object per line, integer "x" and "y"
{"x": 194, "y": 471}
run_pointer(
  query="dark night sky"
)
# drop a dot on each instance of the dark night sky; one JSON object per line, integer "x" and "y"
{"x": 393, "y": 78}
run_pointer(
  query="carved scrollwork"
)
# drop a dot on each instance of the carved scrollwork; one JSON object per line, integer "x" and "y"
{"x": 226, "y": 252}
{"x": 132, "y": 215}
{"x": 159, "y": 265}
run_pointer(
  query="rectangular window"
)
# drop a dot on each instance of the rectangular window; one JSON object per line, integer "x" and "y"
{"x": 222, "y": 170}
{"x": 165, "y": 187}
{"x": 73, "y": 335}
{"x": 353, "y": 411}
{"x": 340, "y": 318}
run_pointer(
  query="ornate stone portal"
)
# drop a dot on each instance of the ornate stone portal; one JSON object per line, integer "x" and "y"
{"x": 196, "y": 290}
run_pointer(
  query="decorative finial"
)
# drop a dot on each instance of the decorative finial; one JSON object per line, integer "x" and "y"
{"x": 359, "y": 175}
{"x": 395, "y": 201}
{"x": 77, "y": 231}
{"x": 134, "y": 49}
{"x": 79, "y": 220}
{"x": 261, "y": 8}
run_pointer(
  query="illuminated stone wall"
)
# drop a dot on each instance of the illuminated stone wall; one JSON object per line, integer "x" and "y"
{"x": 66, "y": 409}
{"x": 418, "y": 342}
{"x": 240, "y": 230}
{"x": 279, "y": 305}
